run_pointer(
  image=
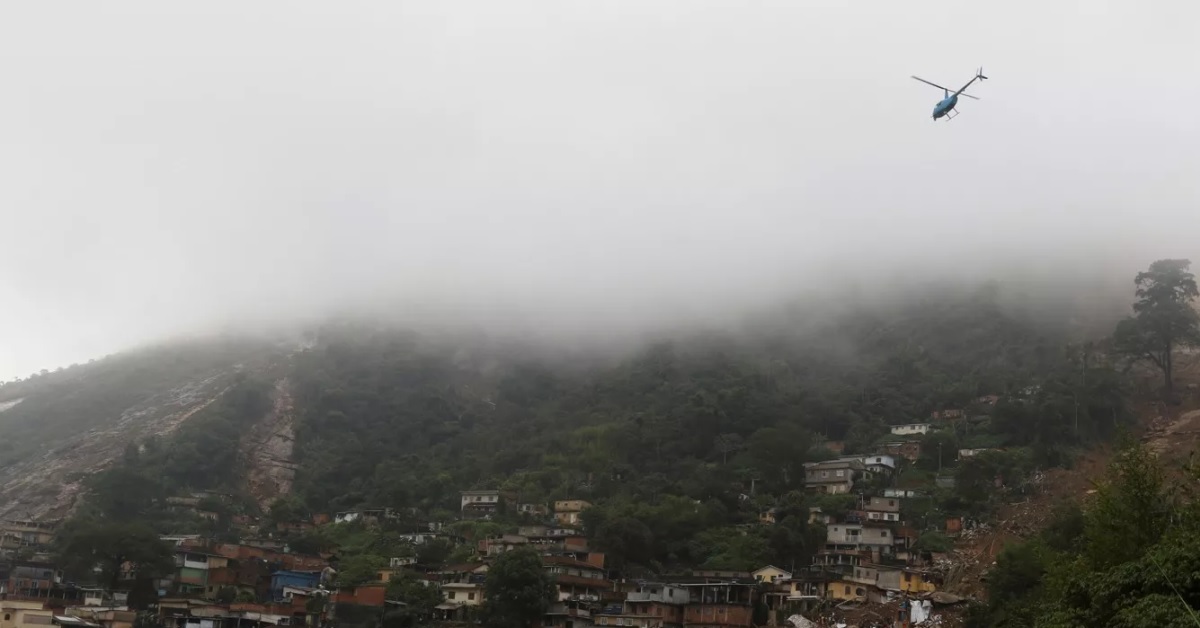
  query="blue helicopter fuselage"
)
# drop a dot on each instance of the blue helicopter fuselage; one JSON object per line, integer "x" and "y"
{"x": 945, "y": 106}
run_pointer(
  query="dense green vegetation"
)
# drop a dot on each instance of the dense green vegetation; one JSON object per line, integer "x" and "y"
{"x": 390, "y": 419}
{"x": 670, "y": 442}
{"x": 518, "y": 591}
{"x": 108, "y": 545}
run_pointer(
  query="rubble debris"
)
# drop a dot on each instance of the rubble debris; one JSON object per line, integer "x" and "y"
{"x": 883, "y": 615}
{"x": 800, "y": 621}
{"x": 941, "y": 597}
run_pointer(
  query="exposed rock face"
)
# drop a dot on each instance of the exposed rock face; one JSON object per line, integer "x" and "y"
{"x": 47, "y": 486}
{"x": 267, "y": 450}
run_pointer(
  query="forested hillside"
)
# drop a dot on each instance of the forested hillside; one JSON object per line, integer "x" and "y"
{"x": 389, "y": 416}
{"x": 679, "y": 444}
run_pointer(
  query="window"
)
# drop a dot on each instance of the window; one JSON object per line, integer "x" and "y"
{"x": 824, "y": 474}
{"x": 451, "y": 596}
{"x": 847, "y": 589}
{"x": 841, "y": 473}
{"x": 470, "y": 596}
{"x": 891, "y": 502}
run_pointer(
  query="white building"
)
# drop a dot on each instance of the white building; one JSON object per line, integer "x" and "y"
{"x": 910, "y": 429}
{"x": 843, "y": 534}
{"x": 880, "y": 463}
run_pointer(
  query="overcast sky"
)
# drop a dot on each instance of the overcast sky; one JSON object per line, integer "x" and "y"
{"x": 169, "y": 166}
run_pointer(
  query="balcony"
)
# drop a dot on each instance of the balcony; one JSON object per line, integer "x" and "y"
{"x": 661, "y": 597}
{"x": 568, "y": 610}
{"x": 579, "y": 597}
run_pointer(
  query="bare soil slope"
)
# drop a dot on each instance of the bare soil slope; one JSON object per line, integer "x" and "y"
{"x": 1171, "y": 431}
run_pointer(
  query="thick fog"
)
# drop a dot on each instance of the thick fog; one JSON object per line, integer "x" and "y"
{"x": 172, "y": 167}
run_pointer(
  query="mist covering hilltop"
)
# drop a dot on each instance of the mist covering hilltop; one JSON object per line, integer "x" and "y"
{"x": 826, "y": 364}
{"x": 574, "y": 167}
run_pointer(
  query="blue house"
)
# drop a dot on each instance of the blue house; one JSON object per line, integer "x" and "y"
{"x": 285, "y": 578}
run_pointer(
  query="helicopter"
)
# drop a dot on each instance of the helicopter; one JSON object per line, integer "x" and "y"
{"x": 945, "y": 108}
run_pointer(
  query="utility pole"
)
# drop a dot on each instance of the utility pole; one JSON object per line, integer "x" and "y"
{"x": 1075, "y": 398}
{"x": 939, "y": 457}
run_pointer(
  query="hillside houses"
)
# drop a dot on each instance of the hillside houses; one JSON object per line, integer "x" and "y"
{"x": 871, "y": 560}
{"x": 567, "y": 512}
{"x": 878, "y": 464}
{"x": 866, "y": 556}
{"x": 650, "y": 605}
{"x": 480, "y": 504}
{"x": 883, "y": 509}
{"x": 834, "y": 477}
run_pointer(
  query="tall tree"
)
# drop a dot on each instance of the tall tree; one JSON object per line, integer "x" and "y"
{"x": 624, "y": 540}
{"x": 517, "y": 591}
{"x": 419, "y": 598}
{"x": 1163, "y": 319}
{"x": 109, "y": 545}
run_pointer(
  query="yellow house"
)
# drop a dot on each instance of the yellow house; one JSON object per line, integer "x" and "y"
{"x": 913, "y": 581}
{"x": 844, "y": 590}
{"x": 770, "y": 574}
{"x": 16, "y": 614}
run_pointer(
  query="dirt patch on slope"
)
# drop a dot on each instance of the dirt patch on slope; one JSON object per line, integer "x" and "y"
{"x": 1170, "y": 431}
{"x": 267, "y": 450}
{"x": 975, "y": 551}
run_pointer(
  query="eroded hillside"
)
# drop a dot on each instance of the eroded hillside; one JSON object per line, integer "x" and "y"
{"x": 267, "y": 450}
{"x": 72, "y": 423}
{"x": 1172, "y": 432}
{"x": 46, "y": 486}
